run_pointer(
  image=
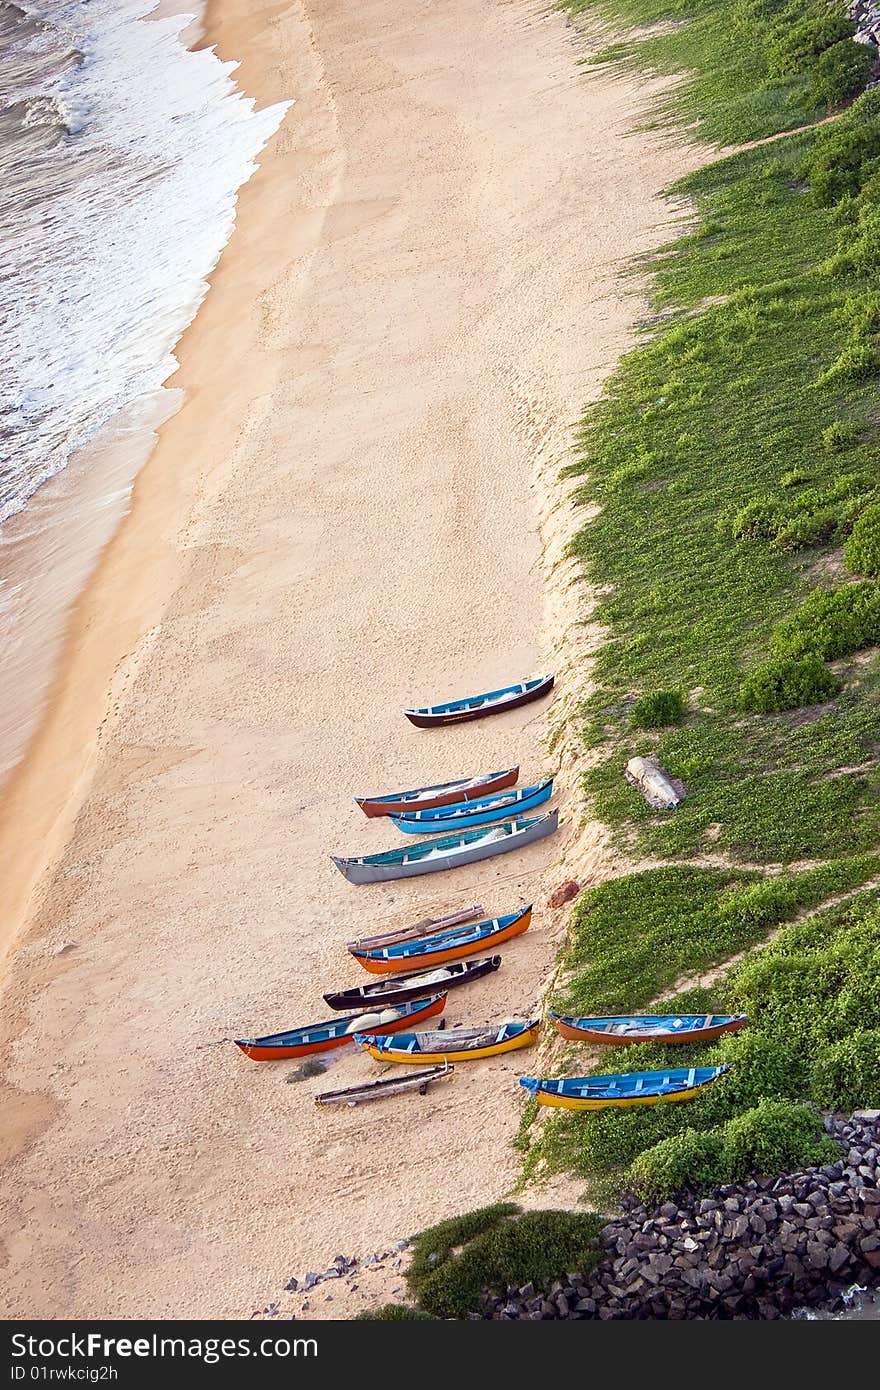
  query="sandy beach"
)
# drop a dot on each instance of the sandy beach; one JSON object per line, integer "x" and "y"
{"x": 356, "y": 509}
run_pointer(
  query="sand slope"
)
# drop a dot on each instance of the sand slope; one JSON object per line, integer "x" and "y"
{"x": 419, "y": 297}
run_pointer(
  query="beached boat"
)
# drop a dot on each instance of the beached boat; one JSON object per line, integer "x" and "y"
{"x": 445, "y": 794}
{"x": 430, "y": 951}
{"x": 457, "y": 1045}
{"x": 468, "y": 814}
{"x": 413, "y": 986}
{"x": 636, "y": 1028}
{"x": 447, "y": 852}
{"x": 476, "y": 706}
{"x": 386, "y": 1086}
{"x": 321, "y": 1037}
{"x": 622, "y": 1090}
{"x": 423, "y": 928}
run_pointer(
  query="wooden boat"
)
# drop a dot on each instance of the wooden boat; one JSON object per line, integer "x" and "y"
{"x": 423, "y": 928}
{"x": 445, "y": 946}
{"x": 321, "y": 1037}
{"x": 445, "y": 794}
{"x": 476, "y": 706}
{"x": 447, "y": 852}
{"x": 414, "y": 986}
{"x": 458, "y": 1045}
{"x": 636, "y": 1028}
{"x": 386, "y": 1086}
{"x": 622, "y": 1090}
{"x": 482, "y": 811}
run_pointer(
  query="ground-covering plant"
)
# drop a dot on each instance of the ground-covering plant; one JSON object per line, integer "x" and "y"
{"x": 813, "y": 1041}
{"x": 456, "y": 1262}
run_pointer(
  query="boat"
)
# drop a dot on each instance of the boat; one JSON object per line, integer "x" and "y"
{"x": 430, "y": 951}
{"x": 476, "y": 706}
{"x": 457, "y": 1045}
{"x": 482, "y": 811}
{"x": 386, "y": 1086}
{"x": 413, "y": 986}
{"x": 636, "y": 1028}
{"x": 447, "y": 852}
{"x": 427, "y": 924}
{"x": 336, "y": 1032}
{"x": 622, "y": 1090}
{"x": 444, "y": 794}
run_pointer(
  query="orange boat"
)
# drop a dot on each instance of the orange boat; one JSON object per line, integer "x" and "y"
{"x": 321, "y": 1037}
{"x": 646, "y": 1028}
{"x": 444, "y": 946}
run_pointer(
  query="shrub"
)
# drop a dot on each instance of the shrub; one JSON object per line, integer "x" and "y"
{"x": 843, "y": 158}
{"x": 757, "y": 520}
{"x": 394, "y": 1312}
{"x": 847, "y": 1074}
{"x": 773, "y": 1136}
{"x": 858, "y": 360}
{"x": 533, "y": 1246}
{"x": 809, "y": 528}
{"x": 786, "y": 684}
{"x": 862, "y": 313}
{"x": 832, "y": 622}
{"x": 658, "y": 709}
{"x": 687, "y": 1161}
{"x": 798, "y": 47}
{"x": 839, "y": 436}
{"x": 862, "y": 550}
{"x": 434, "y": 1246}
{"x": 842, "y": 69}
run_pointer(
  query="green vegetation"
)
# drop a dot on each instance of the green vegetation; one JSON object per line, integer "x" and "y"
{"x": 787, "y": 684}
{"x": 862, "y": 550}
{"x": 658, "y": 709}
{"x": 813, "y": 999}
{"x": 394, "y": 1312}
{"x": 456, "y": 1262}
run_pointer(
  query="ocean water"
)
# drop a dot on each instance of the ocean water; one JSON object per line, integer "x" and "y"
{"x": 121, "y": 155}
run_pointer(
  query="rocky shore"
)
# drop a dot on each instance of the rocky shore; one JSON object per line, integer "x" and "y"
{"x": 759, "y": 1249}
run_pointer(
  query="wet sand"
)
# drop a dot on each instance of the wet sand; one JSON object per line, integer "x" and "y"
{"x": 355, "y": 509}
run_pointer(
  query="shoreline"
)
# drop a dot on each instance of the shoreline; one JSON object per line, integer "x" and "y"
{"x": 103, "y": 816}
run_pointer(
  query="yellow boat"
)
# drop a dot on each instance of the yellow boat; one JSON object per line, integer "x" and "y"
{"x": 456, "y": 1045}
{"x": 620, "y": 1091}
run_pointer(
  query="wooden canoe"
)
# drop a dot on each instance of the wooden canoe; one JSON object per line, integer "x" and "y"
{"x": 447, "y": 852}
{"x": 321, "y": 1037}
{"x": 457, "y": 1045}
{"x": 426, "y": 927}
{"x": 646, "y": 1028}
{"x": 414, "y": 986}
{"x": 444, "y": 794}
{"x": 622, "y": 1090}
{"x": 386, "y": 1086}
{"x": 477, "y": 706}
{"x": 445, "y": 946}
{"x": 468, "y": 814}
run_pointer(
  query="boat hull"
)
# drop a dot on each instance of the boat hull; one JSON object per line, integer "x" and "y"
{"x": 261, "y": 1051}
{"x": 469, "y": 820}
{"x": 448, "y": 795}
{"x": 575, "y": 1030}
{"x": 471, "y": 1054}
{"x": 377, "y": 964}
{"x": 387, "y": 1086}
{"x": 432, "y": 719}
{"x": 382, "y": 992}
{"x": 621, "y": 1092}
{"x": 361, "y": 871}
{"x": 616, "y": 1102}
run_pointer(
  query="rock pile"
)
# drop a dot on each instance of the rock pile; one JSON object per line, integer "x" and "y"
{"x": 753, "y": 1250}
{"x": 865, "y": 14}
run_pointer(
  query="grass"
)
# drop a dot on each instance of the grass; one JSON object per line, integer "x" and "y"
{"x": 731, "y": 478}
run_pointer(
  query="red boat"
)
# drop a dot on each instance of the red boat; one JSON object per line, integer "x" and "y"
{"x": 445, "y": 794}
{"x": 321, "y": 1037}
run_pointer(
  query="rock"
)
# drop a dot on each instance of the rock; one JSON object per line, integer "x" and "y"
{"x": 564, "y": 893}
{"x": 585, "y": 1305}
{"x": 311, "y": 1279}
{"x": 838, "y": 1258}
{"x": 291, "y": 1286}
{"x": 871, "y": 1117}
{"x": 817, "y": 1254}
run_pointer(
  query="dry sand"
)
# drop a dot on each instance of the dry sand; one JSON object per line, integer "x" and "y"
{"x": 353, "y": 511}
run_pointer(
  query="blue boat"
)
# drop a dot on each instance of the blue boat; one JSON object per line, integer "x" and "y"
{"x": 635, "y": 1028}
{"x": 440, "y": 947}
{"x": 482, "y": 811}
{"x": 447, "y": 852}
{"x": 621, "y": 1090}
{"x": 476, "y": 706}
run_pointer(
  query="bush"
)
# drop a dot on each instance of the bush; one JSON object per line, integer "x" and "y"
{"x": 774, "y": 1136}
{"x": 658, "y": 709}
{"x": 847, "y": 1074}
{"x": 434, "y": 1246}
{"x": 533, "y": 1246}
{"x": 809, "y": 528}
{"x": 798, "y": 47}
{"x": 862, "y": 313}
{"x": 687, "y": 1161}
{"x": 862, "y": 550}
{"x": 858, "y": 360}
{"x": 394, "y": 1312}
{"x": 758, "y": 520}
{"x": 839, "y": 436}
{"x": 832, "y": 622}
{"x": 787, "y": 684}
{"x": 839, "y": 71}
{"x": 844, "y": 157}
